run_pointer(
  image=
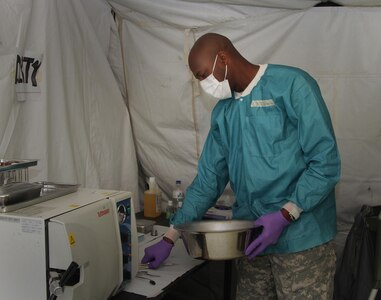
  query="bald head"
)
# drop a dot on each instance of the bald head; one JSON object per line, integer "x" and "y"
{"x": 204, "y": 51}
{"x": 215, "y": 47}
{"x": 210, "y": 43}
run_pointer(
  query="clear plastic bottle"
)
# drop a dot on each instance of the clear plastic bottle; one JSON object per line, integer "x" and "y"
{"x": 179, "y": 204}
{"x": 152, "y": 203}
{"x": 178, "y": 195}
{"x": 170, "y": 210}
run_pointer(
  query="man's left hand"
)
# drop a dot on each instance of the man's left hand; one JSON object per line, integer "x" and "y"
{"x": 273, "y": 225}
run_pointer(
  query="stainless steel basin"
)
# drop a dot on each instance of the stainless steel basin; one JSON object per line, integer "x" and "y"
{"x": 218, "y": 240}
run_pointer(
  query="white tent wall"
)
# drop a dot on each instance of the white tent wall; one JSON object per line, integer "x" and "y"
{"x": 76, "y": 122}
{"x": 339, "y": 46}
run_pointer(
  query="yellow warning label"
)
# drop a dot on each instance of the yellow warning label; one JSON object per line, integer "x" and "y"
{"x": 73, "y": 205}
{"x": 71, "y": 239}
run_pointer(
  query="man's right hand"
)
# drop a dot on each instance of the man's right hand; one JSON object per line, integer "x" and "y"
{"x": 154, "y": 255}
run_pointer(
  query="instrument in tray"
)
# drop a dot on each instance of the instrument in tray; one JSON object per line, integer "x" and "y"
{"x": 15, "y": 170}
{"x": 15, "y": 190}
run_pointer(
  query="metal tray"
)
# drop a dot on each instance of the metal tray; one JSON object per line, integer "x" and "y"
{"x": 144, "y": 225}
{"x": 47, "y": 191}
{"x": 12, "y": 164}
{"x": 17, "y": 192}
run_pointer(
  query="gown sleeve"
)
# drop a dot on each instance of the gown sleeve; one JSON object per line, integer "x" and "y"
{"x": 318, "y": 144}
{"x": 210, "y": 181}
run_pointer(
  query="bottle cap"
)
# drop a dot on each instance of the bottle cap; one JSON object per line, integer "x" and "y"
{"x": 178, "y": 181}
{"x": 152, "y": 183}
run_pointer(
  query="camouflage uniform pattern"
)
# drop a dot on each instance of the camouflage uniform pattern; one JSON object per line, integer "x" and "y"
{"x": 303, "y": 275}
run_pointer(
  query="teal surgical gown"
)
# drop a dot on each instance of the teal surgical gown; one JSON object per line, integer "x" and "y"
{"x": 274, "y": 145}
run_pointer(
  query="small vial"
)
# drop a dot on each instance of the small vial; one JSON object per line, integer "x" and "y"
{"x": 170, "y": 211}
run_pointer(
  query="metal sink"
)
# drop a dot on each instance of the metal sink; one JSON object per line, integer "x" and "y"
{"x": 18, "y": 195}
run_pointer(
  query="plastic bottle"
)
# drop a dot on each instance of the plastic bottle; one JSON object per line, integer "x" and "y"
{"x": 152, "y": 200}
{"x": 179, "y": 204}
{"x": 170, "y": 210}
{"x": 178, "y": 195}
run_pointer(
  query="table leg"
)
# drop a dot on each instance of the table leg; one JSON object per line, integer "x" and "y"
{"x": 228, "y": 280}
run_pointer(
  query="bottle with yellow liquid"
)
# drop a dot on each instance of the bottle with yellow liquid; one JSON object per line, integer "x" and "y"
{"x": 152, "y": 205}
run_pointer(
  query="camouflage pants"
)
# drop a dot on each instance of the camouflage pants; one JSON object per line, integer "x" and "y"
{"x": 304, "y": 275}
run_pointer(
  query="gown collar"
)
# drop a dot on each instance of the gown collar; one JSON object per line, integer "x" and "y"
{"x": 253, "y": 83}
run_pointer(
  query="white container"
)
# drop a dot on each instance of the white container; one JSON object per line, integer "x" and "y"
{"x": 177, "y": 195}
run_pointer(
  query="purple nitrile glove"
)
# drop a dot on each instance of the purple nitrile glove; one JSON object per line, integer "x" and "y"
{"x": 154, "y": 255}
{"x": 273, "y": 225}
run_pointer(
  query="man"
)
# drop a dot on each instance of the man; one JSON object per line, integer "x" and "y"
{"x": 273, "y": 140}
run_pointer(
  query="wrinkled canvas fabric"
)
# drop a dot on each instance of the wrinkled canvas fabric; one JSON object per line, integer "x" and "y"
{"x": 69, "y": 113}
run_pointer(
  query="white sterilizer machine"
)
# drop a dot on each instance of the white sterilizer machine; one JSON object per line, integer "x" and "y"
{"x": 82, "y": 245}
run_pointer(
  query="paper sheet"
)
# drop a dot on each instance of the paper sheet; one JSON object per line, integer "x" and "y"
{"x": 177, "y": 264}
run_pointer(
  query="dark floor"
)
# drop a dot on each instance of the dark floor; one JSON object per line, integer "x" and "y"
{"x": 207, "y": 283}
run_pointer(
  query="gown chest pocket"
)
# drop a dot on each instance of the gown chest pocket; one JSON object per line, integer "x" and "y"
{"x": 263, "y": 134}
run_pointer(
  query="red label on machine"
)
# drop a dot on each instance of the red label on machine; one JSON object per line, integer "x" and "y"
{"x": 103, "y": 212}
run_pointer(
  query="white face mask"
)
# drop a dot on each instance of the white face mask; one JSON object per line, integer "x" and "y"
{"x": 215, "y": 88}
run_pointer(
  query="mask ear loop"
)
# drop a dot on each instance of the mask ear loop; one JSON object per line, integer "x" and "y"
{"x": 226, "y": 71}
{"x": 214, "y": 65}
